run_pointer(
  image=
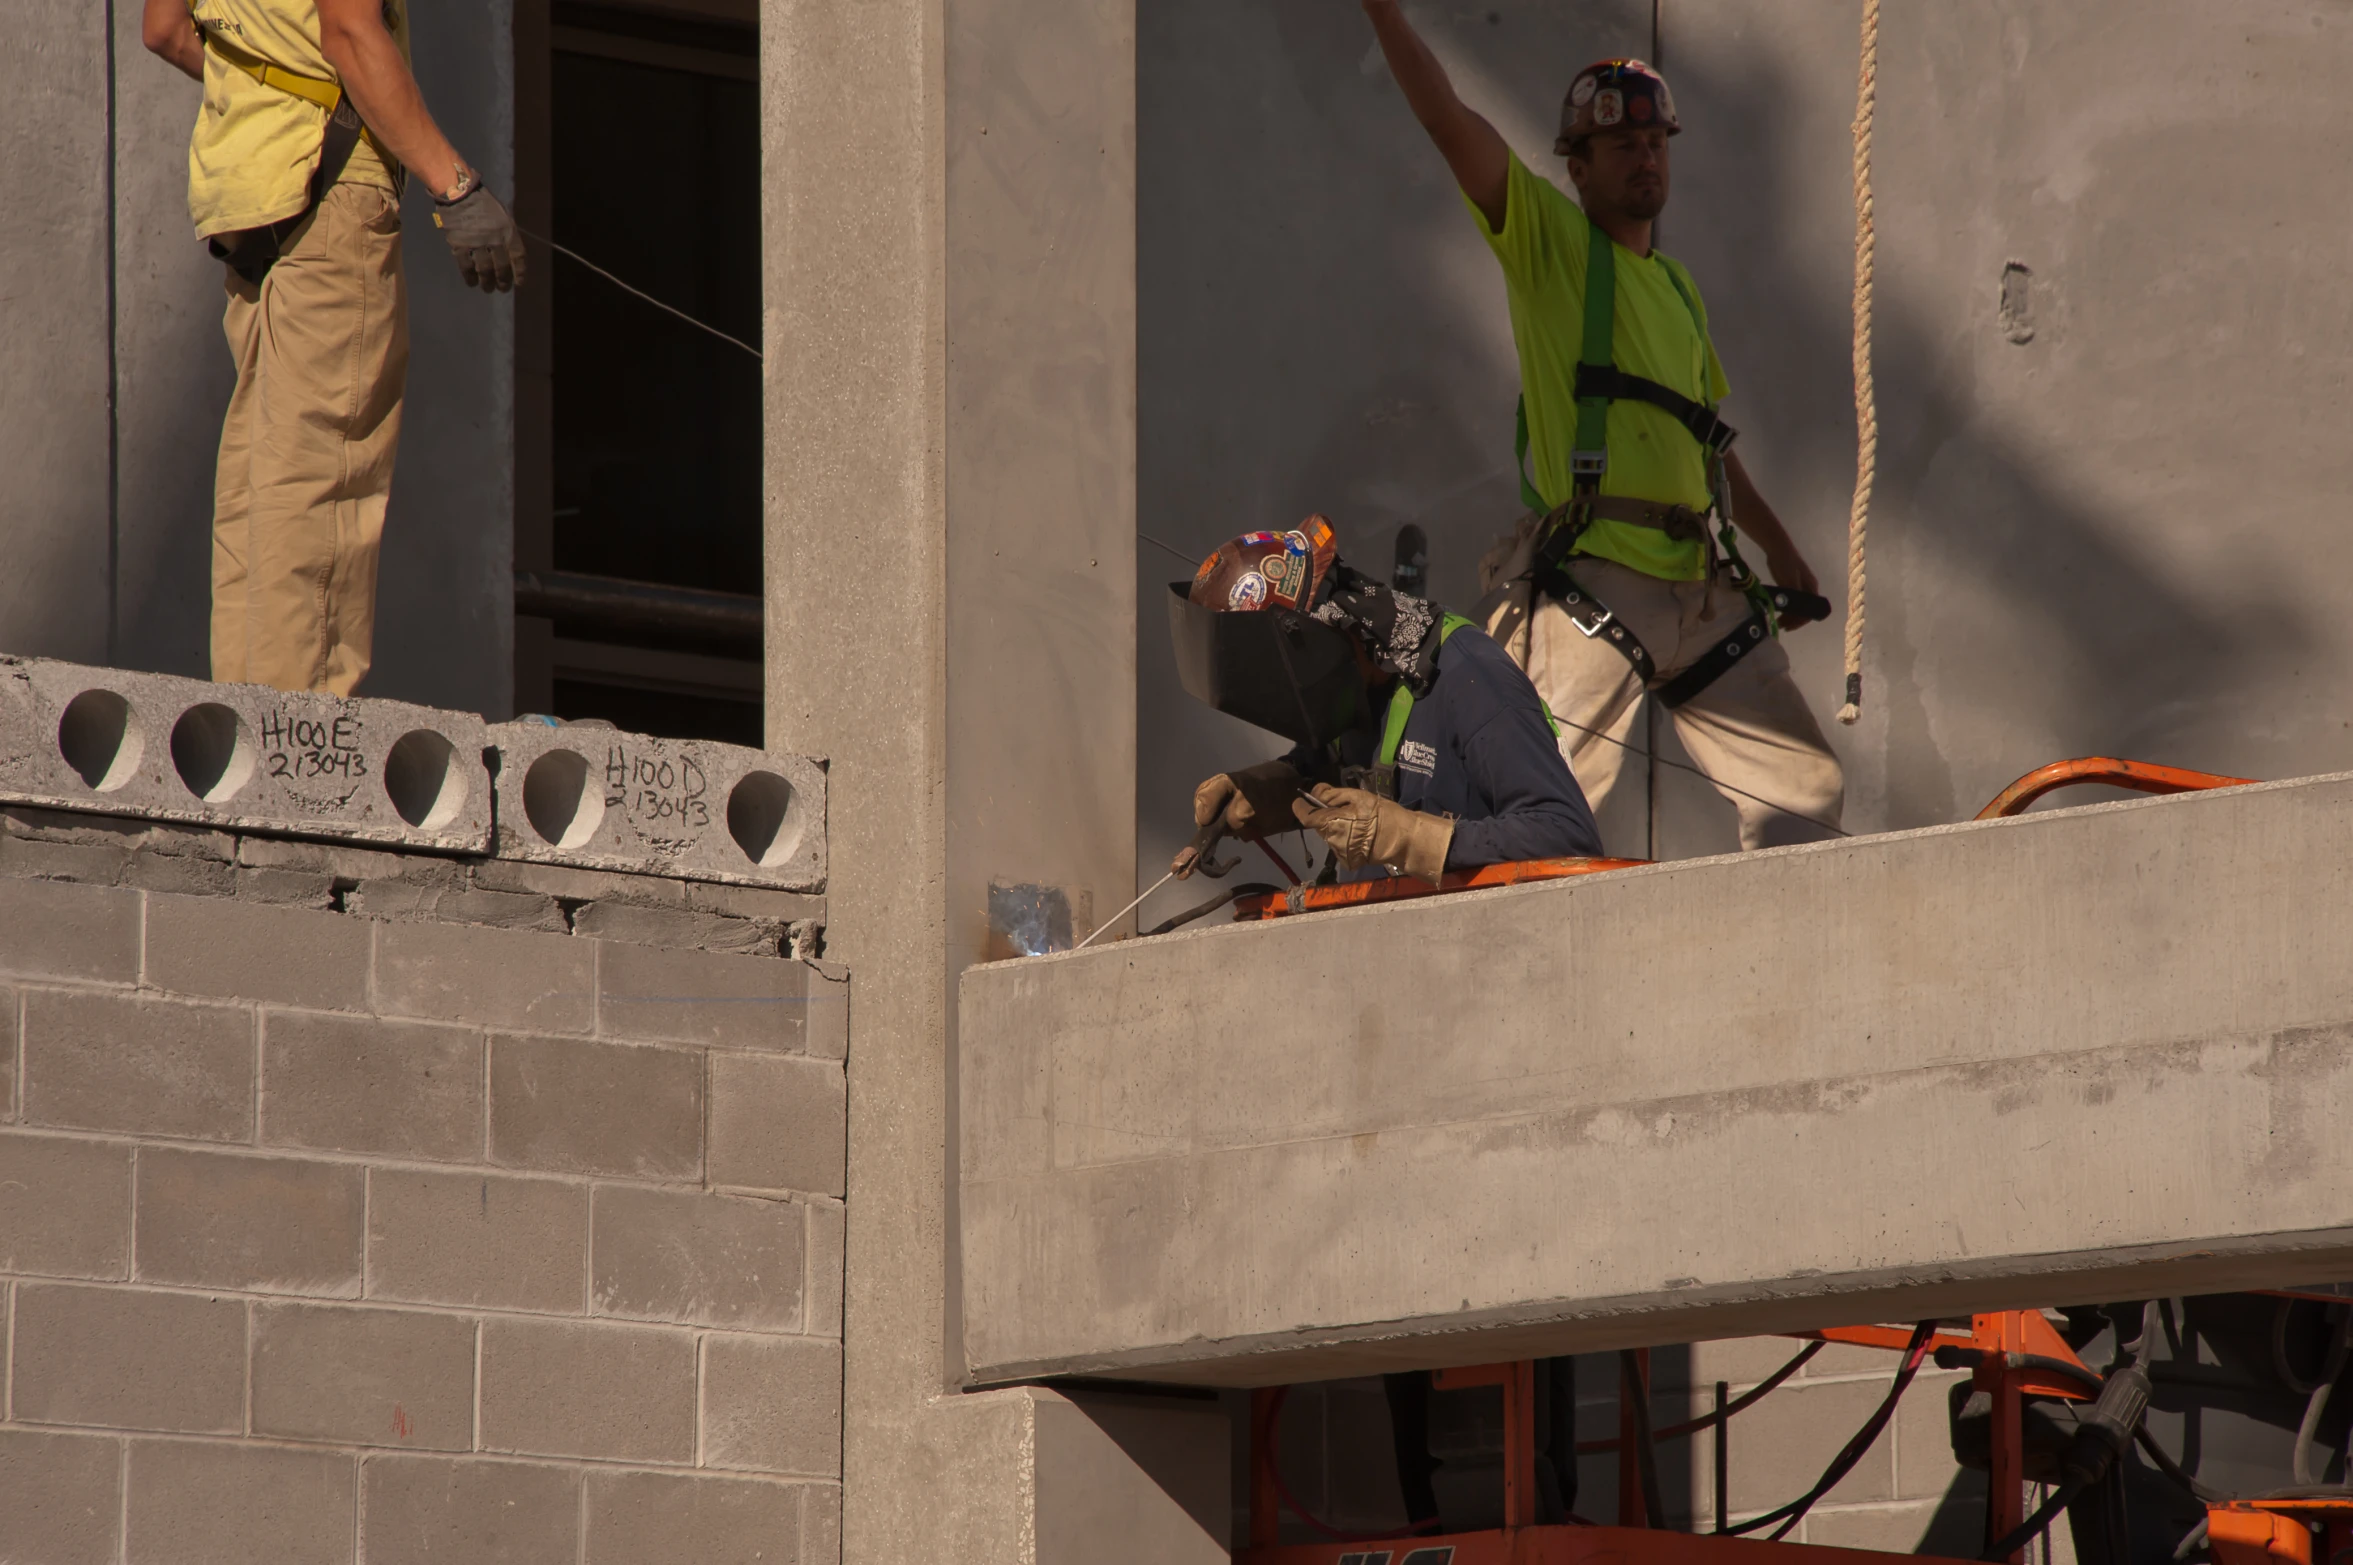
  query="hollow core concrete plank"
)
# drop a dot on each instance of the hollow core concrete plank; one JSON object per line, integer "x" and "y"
{"x": 2078, "y": 1055}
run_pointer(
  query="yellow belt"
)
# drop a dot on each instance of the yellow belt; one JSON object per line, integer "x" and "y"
{"x": 326, "y": 94}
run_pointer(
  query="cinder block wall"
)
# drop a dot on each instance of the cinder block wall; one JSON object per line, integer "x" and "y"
{"x": 1906, "y": 1496}
{"x": 365, "y": 1206}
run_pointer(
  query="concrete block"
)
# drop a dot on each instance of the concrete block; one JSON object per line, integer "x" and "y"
{"x": 157, "y": 747}
{"x": 124, "y": 1359}
{"x": 652, "y": 1518}
{"x": 821, "y": 1524}
{"x": 596, "y": 1108}
{"x": 777, "y": 1123}
{"x": 743, "y": 1002}
{"x": 11, "y": 1013}
{"x": 149, "y": 1067}
{"x": 828, "y": 1221}
{"x": 285, "y": 888}
{"x": 60, "y": 1498}
{"x": 86, "y": 933}
{"x": 1884, "y": 1529}
{"x": 461, "y": 904}
{"x": 600, "y": 799}
{"x": 366, "y": 1084}
{"x": 772, "y": 1405}
{"x": 486, "y": 977}
{"x": 205, "y": 1504}
{"x": 710, "y": 1260}
{"x": 267, "y": 1224}
{"x": 65, "y": 1207}
{"x": 364, "y": 1376}
{"x": 223, "y": 948}
{"x": 478, "y": 1240}
{"x": 1780, "y": 1446}
{"x": 1923, "y": 1435}
{"x": 785, "y": 907}
{"x": 678, "y": 928}
{"x": 828, "y": 1011}
{"x": 422, "y": 1510}
{"x": 1738, "y": 1361}
{"x": 558, "y": 1388}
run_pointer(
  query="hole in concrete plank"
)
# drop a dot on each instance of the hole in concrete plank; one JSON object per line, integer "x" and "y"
{"x": 2017, "y": 306}
{"x": 764, "y": 818}
{"x": 211, "y": 751}
{"x": 558, "y": 801}
{"x": 100, "y": 738}
{"x": 425, "y": 787}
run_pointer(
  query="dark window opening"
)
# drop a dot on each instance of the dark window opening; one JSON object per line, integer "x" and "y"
{"x": 654, "y": 425}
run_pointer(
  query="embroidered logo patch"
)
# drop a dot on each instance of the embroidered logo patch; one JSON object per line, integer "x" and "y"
{"x": 1418, "y": 758}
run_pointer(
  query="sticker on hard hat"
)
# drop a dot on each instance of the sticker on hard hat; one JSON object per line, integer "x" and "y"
{"x": 1640, "y": 110}
{"x": 1582, "y": 93}
{"x": 1286, "y": 573}
{"x": 1609, "y": 106}
{"x": 1247, "y": 592}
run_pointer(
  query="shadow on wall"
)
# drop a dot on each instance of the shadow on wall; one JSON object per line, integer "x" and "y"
{"x": 1322, "y": 329}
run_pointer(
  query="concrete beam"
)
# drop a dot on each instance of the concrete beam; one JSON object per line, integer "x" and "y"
{"x": 2081, "y": 1055}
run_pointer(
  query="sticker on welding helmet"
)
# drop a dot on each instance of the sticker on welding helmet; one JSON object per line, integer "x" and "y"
{"x": 1248, "y": 592}
{"x": 1209, "y": 566}
{"x": 1640, "y": 110}
{"x": 1286, "y": 575}
{"x": 1609, "y": 106}
{"x": 1582, "y": 93}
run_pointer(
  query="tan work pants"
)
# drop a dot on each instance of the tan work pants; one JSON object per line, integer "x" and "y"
{"x": 1750, "y": 731}
{"x": 307, "y": 447}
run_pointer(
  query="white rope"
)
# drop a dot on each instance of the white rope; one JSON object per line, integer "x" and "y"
{"x": 1866, "y": 395}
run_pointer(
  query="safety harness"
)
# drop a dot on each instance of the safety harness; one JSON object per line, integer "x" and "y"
{"x": 1599, "y": 383}
{"x": 251, "y": 252}
{"x": 1381, "y": 776}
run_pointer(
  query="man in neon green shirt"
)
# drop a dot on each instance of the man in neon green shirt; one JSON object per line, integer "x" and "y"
{"x": 1612, "y": 587}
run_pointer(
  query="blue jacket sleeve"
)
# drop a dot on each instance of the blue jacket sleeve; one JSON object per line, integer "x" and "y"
{"x": 1536, "y": 809}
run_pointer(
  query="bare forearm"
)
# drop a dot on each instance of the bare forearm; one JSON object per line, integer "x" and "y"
{"x": 169, "y": 33}
{"x": 1753, "y": 516}
{"x": 384, "y": 91}
{"x": 1472, "y": 148}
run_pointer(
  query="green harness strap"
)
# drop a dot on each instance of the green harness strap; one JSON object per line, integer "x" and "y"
{"x": 1589, "y": 459}
{"x": 1401, "y": 702}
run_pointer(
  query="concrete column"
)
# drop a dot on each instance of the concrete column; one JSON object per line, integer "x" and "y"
{"x": 950, "y": 342}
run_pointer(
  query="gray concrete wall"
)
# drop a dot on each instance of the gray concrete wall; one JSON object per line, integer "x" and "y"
{"x": 2101, "y": 539}
{"x": 109, "y": 520}
{"x": 2076, "y": 1056}
{"x": 348, "y": 1209}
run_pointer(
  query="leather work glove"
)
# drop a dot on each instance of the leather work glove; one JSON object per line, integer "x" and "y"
{"x": 483, "y": 237}
{"x": 1253, "y": 801}
{"x": 1364, "y": 828}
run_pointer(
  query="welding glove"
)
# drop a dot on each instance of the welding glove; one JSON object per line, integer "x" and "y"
{"x": 483, "y": 237}
{"x": 1364, "y": 828}
{"x": 1253, "y": 801}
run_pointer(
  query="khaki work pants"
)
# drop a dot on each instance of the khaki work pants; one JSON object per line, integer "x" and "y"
{"x": 306, "y": 450}
{"x": 1749, "y": 731}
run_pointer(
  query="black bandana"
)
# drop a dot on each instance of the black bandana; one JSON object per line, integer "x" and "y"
{"x": 1400, "y": 633}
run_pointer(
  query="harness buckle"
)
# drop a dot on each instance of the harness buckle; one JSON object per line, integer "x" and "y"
{"x": 1588, "y": 464}
{"x": 1597, "y": 627}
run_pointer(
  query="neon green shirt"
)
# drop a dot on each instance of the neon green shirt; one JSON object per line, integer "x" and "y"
{"x": 1542, "y": 248}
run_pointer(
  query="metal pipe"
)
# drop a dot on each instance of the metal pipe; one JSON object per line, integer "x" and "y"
{"x": 607, "y": 606}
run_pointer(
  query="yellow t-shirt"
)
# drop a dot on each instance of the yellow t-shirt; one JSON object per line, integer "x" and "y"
{"x": 1543, "y": 248}
{"x": 256, "y": 146}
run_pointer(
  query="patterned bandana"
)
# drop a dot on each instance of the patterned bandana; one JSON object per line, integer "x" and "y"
{"x": 1399, "y": 633}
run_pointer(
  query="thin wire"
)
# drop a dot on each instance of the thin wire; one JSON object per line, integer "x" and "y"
{"x": 1157, "y": 544}
{"x": 640, "y": 292}
{"x": 1696, "y": 772}
{"x": 1125, "y": 911}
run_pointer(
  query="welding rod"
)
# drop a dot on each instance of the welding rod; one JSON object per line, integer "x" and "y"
{"x": 1125, "y": 911}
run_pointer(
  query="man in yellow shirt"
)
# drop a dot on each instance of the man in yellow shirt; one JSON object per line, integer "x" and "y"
{"x": 1613, "y": 587}
{"x": 310, "y": 120}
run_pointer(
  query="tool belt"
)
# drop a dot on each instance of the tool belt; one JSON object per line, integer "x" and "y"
{"x": 251, "y": 252}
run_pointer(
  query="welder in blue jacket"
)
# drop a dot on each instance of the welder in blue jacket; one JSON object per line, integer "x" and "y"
{"x": 1420, "y": 744}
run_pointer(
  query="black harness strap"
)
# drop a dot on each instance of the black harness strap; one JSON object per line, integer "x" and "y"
{"x": 251, "y": 252}
{"x": 1608, "y": 381}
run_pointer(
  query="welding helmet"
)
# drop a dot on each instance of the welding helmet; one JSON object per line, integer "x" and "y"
{"x": 1615, "y": 95}
{"x": 1248, "y": 644}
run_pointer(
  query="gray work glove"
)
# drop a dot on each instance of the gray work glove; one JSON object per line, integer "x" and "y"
{"x": 483, "y": 237}
{"x": 1253, "y": 801}
{"x": 1364, "y": 828}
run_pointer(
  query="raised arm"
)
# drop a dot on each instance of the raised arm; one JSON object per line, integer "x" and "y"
{"x": 1471, "y": 146}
